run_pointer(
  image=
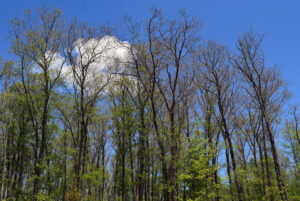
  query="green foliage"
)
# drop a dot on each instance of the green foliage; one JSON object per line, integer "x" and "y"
{"x": 197, "y": 174}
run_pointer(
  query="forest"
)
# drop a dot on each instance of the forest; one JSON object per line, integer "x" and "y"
{"x": 144, "y": 112}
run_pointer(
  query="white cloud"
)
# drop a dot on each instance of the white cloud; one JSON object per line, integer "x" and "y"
{"x": 107, "y": 54}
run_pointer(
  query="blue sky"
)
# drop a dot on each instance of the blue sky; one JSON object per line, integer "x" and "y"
{"x": 223, "y": 21}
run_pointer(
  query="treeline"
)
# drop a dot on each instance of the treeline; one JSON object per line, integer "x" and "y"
{"x": 164, "y": 116}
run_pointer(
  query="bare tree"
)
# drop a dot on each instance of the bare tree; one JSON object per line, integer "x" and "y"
{"x": 207, "y": 102}
{"x": 214, "y": 59}
{"x": 265, "y": 88}
{"x": 85, "y": 49}
{"x": 170, "y": 43}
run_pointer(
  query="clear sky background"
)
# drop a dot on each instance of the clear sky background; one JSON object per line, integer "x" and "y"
{"x": 224, "y": 21}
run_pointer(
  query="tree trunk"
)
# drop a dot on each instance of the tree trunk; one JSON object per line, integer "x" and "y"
{"x": 5, "y": 140}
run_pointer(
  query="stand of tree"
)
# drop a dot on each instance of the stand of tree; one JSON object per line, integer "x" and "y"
{"x": 164, "y": 116}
